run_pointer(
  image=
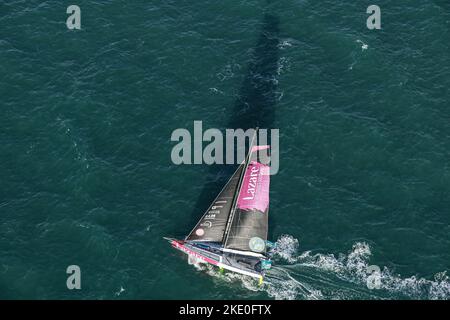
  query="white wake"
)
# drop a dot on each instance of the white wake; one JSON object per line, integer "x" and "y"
{"x": 304, "y": 275}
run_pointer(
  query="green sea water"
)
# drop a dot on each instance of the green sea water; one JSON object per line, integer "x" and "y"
{"x": 85, "y": 168}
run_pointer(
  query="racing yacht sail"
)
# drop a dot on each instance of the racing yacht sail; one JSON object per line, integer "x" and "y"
{"x": 232, "y": 233}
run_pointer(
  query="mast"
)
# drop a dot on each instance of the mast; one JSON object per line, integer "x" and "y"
{"x": 236, "y": 195}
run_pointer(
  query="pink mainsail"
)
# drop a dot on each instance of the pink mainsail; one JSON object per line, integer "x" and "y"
{"x": 254, "y": 194}
{"x": 249, "y": 222}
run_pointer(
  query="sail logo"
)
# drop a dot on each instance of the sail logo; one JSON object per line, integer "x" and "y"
{"x": 213, "y": 147}
{"x": 206, "y": 224}
{"x": 254, "y": 194}
{"x": 252, "y": 183}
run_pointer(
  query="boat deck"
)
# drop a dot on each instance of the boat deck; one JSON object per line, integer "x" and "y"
{"x": 247, "y": 265}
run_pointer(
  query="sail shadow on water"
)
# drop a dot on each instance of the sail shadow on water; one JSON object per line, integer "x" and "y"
{"x": 232, "y": 233}
{"x": 254, "y": 107}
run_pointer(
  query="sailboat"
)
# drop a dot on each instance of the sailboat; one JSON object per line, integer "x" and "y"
{"x": 232, "y": 233}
